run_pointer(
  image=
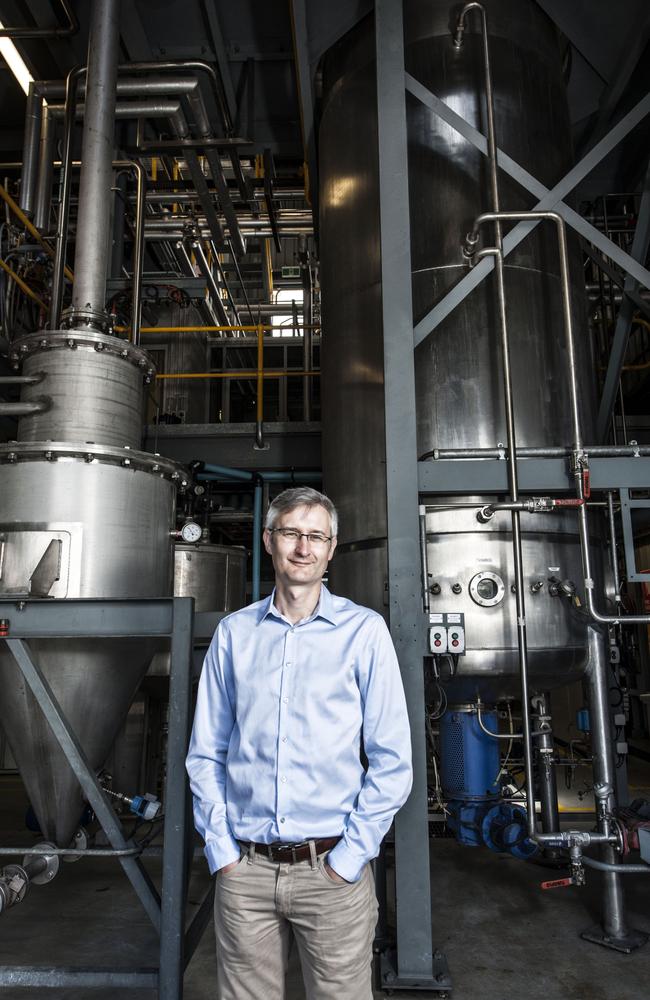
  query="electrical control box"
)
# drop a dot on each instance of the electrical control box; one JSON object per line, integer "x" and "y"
{"x": 447, "y": 633}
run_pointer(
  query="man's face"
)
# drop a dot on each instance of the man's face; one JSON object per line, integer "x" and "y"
{"x": 299, "y": 562}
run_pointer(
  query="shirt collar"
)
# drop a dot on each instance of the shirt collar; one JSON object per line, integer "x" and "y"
{"x": 324, "y": 610}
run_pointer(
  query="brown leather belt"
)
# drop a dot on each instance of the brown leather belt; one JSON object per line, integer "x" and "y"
{"x": 289, "y": 854}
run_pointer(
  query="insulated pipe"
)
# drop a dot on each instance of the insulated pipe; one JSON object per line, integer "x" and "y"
{"x": 595, "y": 450}
{"x": 149, "y": 108}
{"x": 33, "y": 116}
{"x": 127, "y": 86}
{"x": 45, "y": 172}
{"x": 620, "y": 869}
{"x": 597, "y": 679}
{"x": 93, "y": 219}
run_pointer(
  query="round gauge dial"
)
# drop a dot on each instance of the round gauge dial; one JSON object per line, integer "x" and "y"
{"x": 191, "y": 532}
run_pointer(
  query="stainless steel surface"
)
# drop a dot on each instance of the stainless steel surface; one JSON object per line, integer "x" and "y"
{"x": 45, "y": 172}
{"x": 23, "y": 409}
{"x": 95, "y": 383}
{"x": 459, "y": 397}
{"x": 93, "y": 218}
{"x": 33, "y": 117}
{"x": 603, "y": 767}
{"x": 107, "y": 527}
{"x": 214, "y": 575}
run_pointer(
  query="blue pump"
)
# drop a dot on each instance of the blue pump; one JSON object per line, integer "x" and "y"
{"x": 470, "y": 767}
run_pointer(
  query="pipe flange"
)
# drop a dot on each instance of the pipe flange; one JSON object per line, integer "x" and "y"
{"x": 72, "y": 340}
{"x": 93, "y": 319}
{"x": 51, "y": 863}
{"x": 487, "y": 589}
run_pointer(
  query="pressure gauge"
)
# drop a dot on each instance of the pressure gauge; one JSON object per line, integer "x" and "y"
{"x": 191, "y": 532}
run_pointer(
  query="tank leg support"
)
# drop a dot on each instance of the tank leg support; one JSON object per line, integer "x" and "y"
{"x": 613, "y": 932}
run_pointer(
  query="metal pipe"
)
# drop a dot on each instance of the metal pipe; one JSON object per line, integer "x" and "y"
{"x": 31, "y": 229}
{"x": 93, "y": 217}
{"x": 127, "y": 86}
{"x": 56, "y": 301}
{"x": 138, "y": 249}
{"x": 194, "y": 245}
{"x": 33, "y": 116}
{"x": 45, "y": 171}
{"x": 73, "y": 852}
{"x": 257, "y": 538}
{"x": 546, "y": 770}
{"x": 488, "y": 732}
{"x": 604, "y": 783}
{"x": 72, "y": 28}
{"x": 127, "y": 109}
{"x": 620, "y": 869}
{"x": 426, "y": 597}
{"x": 259, "y": 422}
{"x": 595, "y": 450}
{"x": 22, "y": 380}
{"x": 613, "y": 553}
{"x": 19, "y": 409}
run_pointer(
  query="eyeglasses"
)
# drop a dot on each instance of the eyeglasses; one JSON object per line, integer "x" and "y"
{"x": 293, "y": 535}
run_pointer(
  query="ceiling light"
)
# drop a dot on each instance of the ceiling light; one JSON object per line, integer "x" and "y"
{"x": 15, "y": 62}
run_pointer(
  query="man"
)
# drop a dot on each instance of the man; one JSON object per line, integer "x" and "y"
{"x": 290, "y": 819}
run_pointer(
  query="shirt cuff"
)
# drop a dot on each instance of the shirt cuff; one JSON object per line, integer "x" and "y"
{"x": 222, "y": 851}
{"x": 345, "y": 863}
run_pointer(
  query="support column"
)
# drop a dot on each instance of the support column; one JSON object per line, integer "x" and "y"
{"x": 417, "y": 967}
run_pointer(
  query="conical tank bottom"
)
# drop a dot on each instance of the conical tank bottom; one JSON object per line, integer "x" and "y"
{"x": 94, "y": 682}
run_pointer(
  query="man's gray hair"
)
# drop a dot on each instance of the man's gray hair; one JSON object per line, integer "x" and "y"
{"x": 300, "y": 496}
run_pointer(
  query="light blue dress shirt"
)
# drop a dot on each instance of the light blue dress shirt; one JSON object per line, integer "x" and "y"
{"x": 275, "y": 748}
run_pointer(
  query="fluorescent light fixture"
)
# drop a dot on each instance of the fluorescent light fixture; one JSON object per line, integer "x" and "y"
{"x": 15, "y": 62}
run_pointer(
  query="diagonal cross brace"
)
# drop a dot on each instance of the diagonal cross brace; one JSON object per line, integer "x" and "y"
{"x": 640, "y": 245}
{"x": 79, "y": 763}
{"x": 549, "y": 199}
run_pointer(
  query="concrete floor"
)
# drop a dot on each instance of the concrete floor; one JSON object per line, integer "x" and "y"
{"x": 503, "y": 936}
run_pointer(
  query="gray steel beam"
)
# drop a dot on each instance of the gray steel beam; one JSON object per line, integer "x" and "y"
{"x": 616, "y": 276}
{"x": 93, "y": 791}
{"x": 43, "y": 977}
{"x": 536, "y": 475}
{"x": 34, "y": 619}
{"x": 550, "y": 200}
{"x": 519, "y": 174}
{"x": 640, "y": 245}
{"x": 305, "y": 97}
{"x": 415, "y": 959}
{"x": 177, "y": 831}
{"x": 220, "y": 52}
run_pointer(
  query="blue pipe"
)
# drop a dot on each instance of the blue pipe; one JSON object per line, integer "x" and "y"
{"x": 257, "y": 538}
{"x": 211, "y": 473}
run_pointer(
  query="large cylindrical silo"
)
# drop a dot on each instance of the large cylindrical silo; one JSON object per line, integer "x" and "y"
{"x": 83, "y": 512}
{"x": 459, "y": 395}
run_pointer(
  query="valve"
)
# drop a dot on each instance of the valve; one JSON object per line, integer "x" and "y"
{"x": 146, "y": 806}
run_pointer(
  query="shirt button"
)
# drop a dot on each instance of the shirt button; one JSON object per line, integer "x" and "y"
{"x": 286, "y": 701}
{"x": 283, "y": 778}
{"x": 282, "y": 819}
{"x": 284, "y": 739}
{"x": 288, "y": 663}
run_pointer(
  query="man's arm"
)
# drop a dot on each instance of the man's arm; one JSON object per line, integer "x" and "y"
{"x": 206, "y": 760}
{"x": 387, "y": 744}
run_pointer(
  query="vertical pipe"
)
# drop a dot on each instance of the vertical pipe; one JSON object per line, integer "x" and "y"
{"x": 259, "y": 422}
{"x": 306, "y": 326}
{"x": 91, "y": 255}
{"x": 613, "y": 554}
{"x": 547, "y": 776}
{"x": 257, "y": 537}
{"x": 56, "y": 303}
{"x": 33, "y": 115}
{"x": 45, "y": 172}
{"x": 614, "y": 924}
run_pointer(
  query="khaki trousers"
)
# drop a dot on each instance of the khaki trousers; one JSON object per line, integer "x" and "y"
{"x": 261, "y": 906}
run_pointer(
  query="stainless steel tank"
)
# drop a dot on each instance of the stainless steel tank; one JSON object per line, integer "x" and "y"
{"x": 459, "y": 399}
{"x": 75, "y": 523}
{"x": 93, "y": 383}
{"x": 214, "y": 575}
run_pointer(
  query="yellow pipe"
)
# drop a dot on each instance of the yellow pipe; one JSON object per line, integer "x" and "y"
{"x": 269, "y": 265}
{"x": 18, "y": 212}
{"x": 23, "y": 285}
{"x": 154, "y": 168}
{"x": 246, "y": 373}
